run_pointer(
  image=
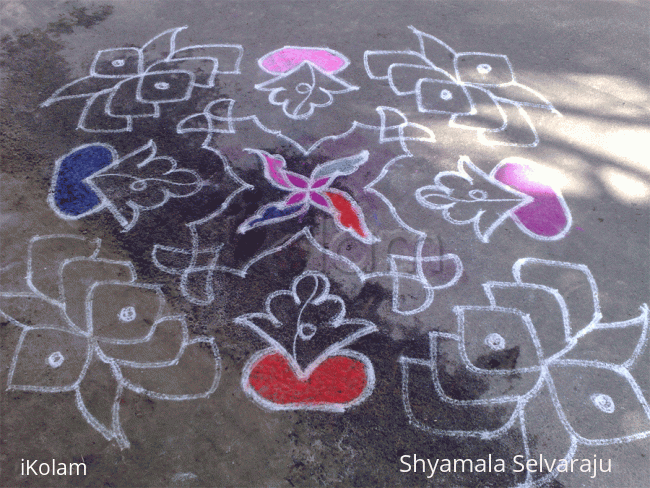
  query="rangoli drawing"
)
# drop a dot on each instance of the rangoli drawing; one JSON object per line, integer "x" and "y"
{"x": 545, "y": 369}
{"x": 307, "y": 366}
{"x": 331, "y": 162}
{"x": 128, "y": 83}
{"x": 305, "y": 79}
{"x": 333, "y": 194}
{"x": 87, "y": 321}
{"x": 478, "y": 91}
{"x": 93, "y": 177}
{"x": 513, "y": 189}
{"x": 314, "y": 191}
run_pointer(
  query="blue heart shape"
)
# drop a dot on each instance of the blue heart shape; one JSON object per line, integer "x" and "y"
{"x": 71, "y": 195}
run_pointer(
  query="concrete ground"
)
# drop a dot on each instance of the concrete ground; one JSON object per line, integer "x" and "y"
{"x": 307, "y": 243}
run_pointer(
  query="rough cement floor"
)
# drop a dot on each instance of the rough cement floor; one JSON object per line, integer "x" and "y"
{"x": 303, "y": 243}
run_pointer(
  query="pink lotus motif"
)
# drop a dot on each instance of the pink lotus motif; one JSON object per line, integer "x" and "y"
{"x": 304, "y": 79}
{"x": 313, "y": 191}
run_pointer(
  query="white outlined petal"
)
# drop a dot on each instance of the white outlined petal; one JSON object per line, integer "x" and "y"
{"x": 49, "y": 360}
{"x": 95, "y": 118}
{"x": 81, "y": 88}
{"x": 117, "y": 63}
{"x": 378, "y": 63}
{"x": 46, "y": 257}
{"x": 97, "y": 397}
{"x": 618, "y": 343}
{"x": 123, "y": 102}
{"x": 574, "y": 282}
{"x": 594, "y": 400}
{"x": 404, "y": 78}
{"x": 23, "y": 310}
{"x": 194, "y": 375}
{"x": 545, "y": 435}
{"x": 394, "y": 126}
{"x": 159, "y": 47}
{"x": 498, "y": 340}
{"x": 225, "y": 59}
{"x": 163, "y": 346}
{"x": 483, "y": 69}
{"x": 544, "y": 307}
{"x": 430, "y": 410}
{"x": 123, "y": 313}
{"x": 443, "y": 97}
{"x": 435, "y": 51}
{"x": 78, "y": 276}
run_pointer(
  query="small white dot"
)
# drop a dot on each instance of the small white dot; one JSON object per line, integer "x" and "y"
{"x": 478, "y": 194}
{"x": 56, "y": 359}
{"x": 446, "y": 95}
{"x": 118, "y": 63}
{"x": 495, "y": 342}
{"x": 484, "y": 68}
{"x": 127, "y": 314}
{"x": 303, "y": 88}
{"x": 139, "y": 185}
{"x": 603, "y": 402}
{"x": 306, "y": 331}
{"x": 162, "y": 85}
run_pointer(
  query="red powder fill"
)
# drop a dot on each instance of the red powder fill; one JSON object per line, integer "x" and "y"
{"x": 347, "y": 214}
{"x": 338, "y": 379}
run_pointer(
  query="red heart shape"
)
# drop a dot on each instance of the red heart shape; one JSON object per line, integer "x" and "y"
{"x": 337, "y": 380}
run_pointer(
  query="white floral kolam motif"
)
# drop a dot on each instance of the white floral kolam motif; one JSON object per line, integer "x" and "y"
{"x": 551, "y": 386}
{"x": 84, "y": 324}
{"x": 452, "y": 83}
{"x": 115, "y": 72}
{"x": 393, "y": 127}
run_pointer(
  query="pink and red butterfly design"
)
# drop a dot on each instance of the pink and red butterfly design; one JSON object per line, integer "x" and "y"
{"x": 313, "y": 191}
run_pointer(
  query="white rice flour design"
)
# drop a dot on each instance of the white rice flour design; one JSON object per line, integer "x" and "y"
{"x": 128, "y": 83}
{"x": 515, "y": 189}
{"x": 304, "y": 79}
{"x": 88, "y": 327}
{"x": 478, "y": 91}
{"x": 203, "y": 257}
{"x": 555, "y": 372}
{"x": 307, "y": 366}
{"x": 93, "y": 177}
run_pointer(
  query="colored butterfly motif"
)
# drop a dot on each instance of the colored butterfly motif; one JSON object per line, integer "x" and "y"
{"x": 314, "y": 191}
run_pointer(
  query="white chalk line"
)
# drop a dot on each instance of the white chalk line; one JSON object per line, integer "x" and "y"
{"x": 174, "y": 55}
{"x": 94, "y": 347}
{"x": 421, "y": 60}
{"x": 546, "y": 363}
{"x": 212, "y": 124}
{"x": 334, "y": 349}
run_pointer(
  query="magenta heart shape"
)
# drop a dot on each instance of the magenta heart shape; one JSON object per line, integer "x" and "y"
{"x": 547, "y": 216}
